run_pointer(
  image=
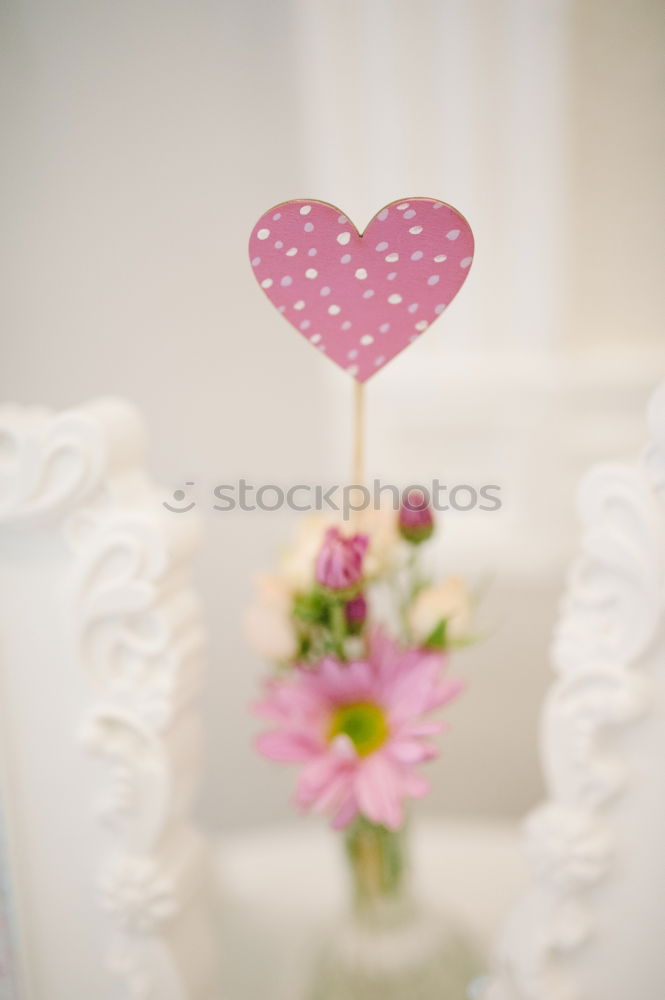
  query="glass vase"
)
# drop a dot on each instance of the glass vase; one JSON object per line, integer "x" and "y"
{"x": 390, "y": 946}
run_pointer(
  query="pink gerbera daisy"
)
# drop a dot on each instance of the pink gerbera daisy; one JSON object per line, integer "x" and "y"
{"x": 358, "y": 730}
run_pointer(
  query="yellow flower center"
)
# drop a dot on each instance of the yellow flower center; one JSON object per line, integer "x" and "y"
{"x": 364, "y": 724}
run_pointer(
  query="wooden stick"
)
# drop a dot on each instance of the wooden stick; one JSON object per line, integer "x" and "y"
{"x": 359, "y": 435}
{"x": 358, "y": 467}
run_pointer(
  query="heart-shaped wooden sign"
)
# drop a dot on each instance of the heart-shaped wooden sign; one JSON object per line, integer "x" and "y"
{"x": 361, "y": 298}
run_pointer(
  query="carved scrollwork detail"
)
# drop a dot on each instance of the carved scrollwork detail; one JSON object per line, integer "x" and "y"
{"x": 50, "y": 464}
{"x": 136, "y": 628}
{"x": 579, "y": 765}
{"x": 145, "y": 968}
{"x": 567, "y": 846}
{"x": 140, "y": 629}
{"x": 137, "y": 893}
{"x": 614, "y": 599}
{"x": 141, "y": 641}
{"x": 134, "y": 803}
{"x": 611, "y": 615}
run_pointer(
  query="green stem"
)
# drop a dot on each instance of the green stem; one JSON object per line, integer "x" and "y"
{"x": 338, "y": 628}
{"x": 377, "y": 862}
{"x": 413, "y": 584}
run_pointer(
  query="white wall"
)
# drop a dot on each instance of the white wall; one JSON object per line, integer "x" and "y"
{"x": 143, "y": 140}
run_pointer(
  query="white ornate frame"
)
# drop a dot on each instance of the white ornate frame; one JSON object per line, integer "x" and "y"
{"x": 129, "y": 616}
{"x": 136, "y": 637}
{"x": 561, "y": 940}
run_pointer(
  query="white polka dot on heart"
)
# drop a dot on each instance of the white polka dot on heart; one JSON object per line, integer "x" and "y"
{"x": 384, "y": 327}
{"x": 334, "y": 310}
{"x": 383, "y": 215}
{"x": 342, "y": 219}
{"x": 308, "y": 227}
{"x": 410, "y": 214}
{"x": 343, "y": 238}
{"x": 368, "y": 294}
{"x": 392, "y": 275}
{"x": 305, "y": 325}
{"x": 416, "y": 230}
{"x": 381, "y": 246}
{"x": 256, "y": 261}
{"x": 379, "y": 361}
{"x": 352, "y": 354}
{"x": 366, "y": 340}
{"x": 311, "y": 252}
{"x": 347, "y": 324}
{"x": 422, "y": 325}
{"x": 453, "y": 234}
{"x": 325, "y": 290}
{"x": 263, "y": 234}
{"x": 266, "y": 283}
{"x": 416, "y": 255}
{"x": 277, "y": 215}
{"x": 361, "y": 273}
{"x": 315, "y": 338}
{"x": 311, "y": 272}
{"x": 465, "y": 261}
{"x": 440, "y": 258}
{"x": 278, "y": 244}
{"x": 292, "y": 252}
{"x": 413, "y": 307}
{"x": 352, "y": 370}
{"x": 439, "y": 309}
{"x": 306, "y": 209}
{"x": 394, "y": 299}
{"x": 400, "y": 208}
{"x": 286, "y": 280}
{"x": 345, "y": 258}
{"x": 392, "y": 257}
{"x": 300, "y": 304}
{"x": 433, "y": 279}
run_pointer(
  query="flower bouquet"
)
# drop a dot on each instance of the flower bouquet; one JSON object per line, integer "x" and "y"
{"x": 360, "y": 637}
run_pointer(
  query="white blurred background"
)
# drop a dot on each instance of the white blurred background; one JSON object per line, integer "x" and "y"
{"x": 141, "y": 142}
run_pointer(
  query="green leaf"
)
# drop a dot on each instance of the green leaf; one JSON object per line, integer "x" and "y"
{"x": 437, "y": 638}
{"x": 304, "y": 647}
{"x": 312, "y": 608}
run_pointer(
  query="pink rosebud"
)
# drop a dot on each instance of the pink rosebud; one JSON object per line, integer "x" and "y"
{"x": 416, "y": 522}
{"x": 356, "y": 613}
{"x": 339, "y": 563}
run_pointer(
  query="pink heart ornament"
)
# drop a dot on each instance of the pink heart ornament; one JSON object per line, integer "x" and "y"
{"x": 361, "y": 298}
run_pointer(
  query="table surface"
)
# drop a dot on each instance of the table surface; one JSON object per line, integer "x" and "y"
{"x": 278, "y": 886}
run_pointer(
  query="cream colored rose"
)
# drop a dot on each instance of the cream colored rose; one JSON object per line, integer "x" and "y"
{"x": 297, "y": 563}
{"x": 385, "y": 543}
{"x": 268, "y": 624}
{"x": 450, "y": 600}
